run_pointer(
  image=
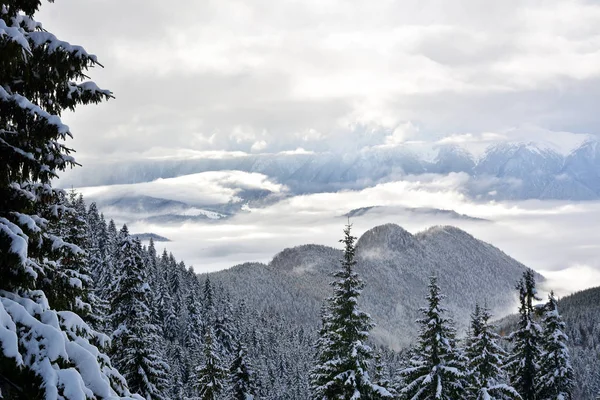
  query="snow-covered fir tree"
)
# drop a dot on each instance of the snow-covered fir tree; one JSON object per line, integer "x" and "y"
{"x": 437, "y": 369}
{"x": 223, "y": 326}
{"x": 208, "y": 301}
{"x": 555, "y": 378}
{"x": 78, "y": 233}
{"x": 523, "y": 362}
{"x": 171, "y": 296}
{"x": 72, "y": 228}
{"x": 211, "y": 376}
{"x": 47, "y": 351}
{"x": 486, "y": 376}
{"x": 98, "y": 260}
{"x": 193, "y": 326}
{"x": 242, "y": 385}
{"x": 381, "y": 377}
{"x": 136, "y": 342}
{"x": 343, "y": 354}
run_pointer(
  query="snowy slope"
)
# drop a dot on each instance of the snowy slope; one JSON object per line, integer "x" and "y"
{"x": 395, "y": 266}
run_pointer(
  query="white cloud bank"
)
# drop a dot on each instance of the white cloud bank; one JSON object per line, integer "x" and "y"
{"x": 559, "y": 239}
{"x": 204, "y": 188}
{"x": 320, "y": 75}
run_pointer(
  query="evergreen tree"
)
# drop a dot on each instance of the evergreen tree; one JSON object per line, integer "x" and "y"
{"x": 171, "y": 297}
{"x": 92, "y": 307}
{"x": 342, "y": 353}
{"x": 136, "y": 340}
{"x": 555, "y": 380}
{"x": 381, "y": 377}
{"x": 72, "y": 290}
{"x": 242, "y": 386}
{"x": 208, "y": 302}
{"x": 193, "y": 325}
{"x": 47, "y": 350}
{"x": 210, "y": 377}
{"x": 107, "y": 269}
{"x": 96, "y": 233}
{"x": 522, "y": 364}
{"x": 436, "y": 370}
{"x": 223, "y": 327}
{"x": 485, "y": 360}
{"x": 151, "y": 261}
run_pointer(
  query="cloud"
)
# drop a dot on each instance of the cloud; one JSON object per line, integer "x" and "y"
{"x": 402, "y": 133}
{"x": 557, "y": 238}
{"x": 201, "y": 189}
{"x": 230, "y": 74}
{"x": 258, "y": 146}
{"x": 571, "y": 279}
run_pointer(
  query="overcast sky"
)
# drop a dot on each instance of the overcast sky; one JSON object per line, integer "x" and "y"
{"x": 267, "y": 76}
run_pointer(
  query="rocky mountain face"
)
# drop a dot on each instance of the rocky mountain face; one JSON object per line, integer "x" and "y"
{"x": 579, "y": 177}
{"x": 395, "y": 266}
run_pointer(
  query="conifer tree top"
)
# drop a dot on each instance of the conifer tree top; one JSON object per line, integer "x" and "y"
{"x": 343, "y": 353}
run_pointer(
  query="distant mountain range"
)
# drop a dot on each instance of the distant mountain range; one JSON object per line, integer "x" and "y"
{"x": 507, "y": 170}
{"x": 391, "y": 210}
{"x": 147, "y": 236}
{"x": 395, "y": 265}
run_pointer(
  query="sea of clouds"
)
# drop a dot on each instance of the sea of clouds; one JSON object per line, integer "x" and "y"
{"x": 559, "y": 239}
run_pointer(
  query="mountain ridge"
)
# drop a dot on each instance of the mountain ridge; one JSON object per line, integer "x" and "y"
{"x": 395, "y": 266}
{"x": 506, "y": 170}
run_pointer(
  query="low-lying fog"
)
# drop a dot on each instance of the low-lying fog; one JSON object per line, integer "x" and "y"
{"x": 559, "y": 239}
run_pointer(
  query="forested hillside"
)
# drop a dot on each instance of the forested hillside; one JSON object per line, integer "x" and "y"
{"x": 581, "y": 313}
{"x": 395, "y": 265}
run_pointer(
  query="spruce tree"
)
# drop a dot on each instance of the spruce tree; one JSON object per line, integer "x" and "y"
{"x": 523, "y": 362}
{"x": 208, "y": 302}
{"x": 193, "y": 326}
{"x": 342, "y": 352}
{"x": 73, "y": 291}
{"x": 93, "y": 308}
{"x": 47, "y": 349}
{"x": 136, "y": 341}
{"x": 224, "y": 328}
{"x": 381, "y": 377}
{"x": 210, "y": 377}
{"x": 171, "y": 297}
{"x": 96, "y": 233}
{"x": 486, "y": 360}
{"x": 242, "y": 385}
{"x": 555, "y": 378}
{"x": 436, "y": 369}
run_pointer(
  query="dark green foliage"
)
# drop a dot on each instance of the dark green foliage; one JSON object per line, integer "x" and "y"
{"x": 241, "y": 376}
{"x": 210, "y": 377}
{"x": 136, "y": 341}
{"x": 436, "y": 369}
{"x": 381, "y": 377}
{"x": 555, "y": 380}
{"x": 522, "y": 364}
{"x": 342, "y": 352}
{"x": 486, "y": 376}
